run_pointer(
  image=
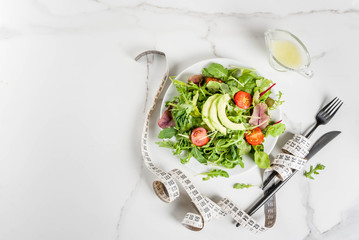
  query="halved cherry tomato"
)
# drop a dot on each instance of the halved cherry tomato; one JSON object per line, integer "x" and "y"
{"x": 243, "y": 99}
{"x": 199, "y": 136}
{"x": 214, "y": 79}
{"x": 255, "y": 136}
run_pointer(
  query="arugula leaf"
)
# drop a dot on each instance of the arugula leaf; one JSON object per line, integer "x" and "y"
{"x": 183, "y": 118}
{"x": 216, "y": 70}
{"x": 213, "y": 86}
{"x": 249, "y": 71}
{"x": 233, "y": 90}
{"x": 206, "y": 73}
{"x": 194, "y": 101}
{"x": 234, "y": 73}
{"x": 314, "y": 170}
{"x": 167, "y": 133}
{"x": 275, "y": 129}
{"x": 244, "y": 148}
{"x": 166, "y": 144}
{"x": 246, "y": 78}
{"x": 197, "y": 154}
{"x": 185, "y": 159}
{"x": 225, "y": 89}
{"x": 248, "y": 82}
{"x": 260, "y": 157}
{"x": 178, "y": 83}
{"x": 277, "y": 102}
{"x": 263, "y": 83}
{"x": 186, "y": 105}
{"x": 214, "y": 173}
{"x": 242, "y": 185}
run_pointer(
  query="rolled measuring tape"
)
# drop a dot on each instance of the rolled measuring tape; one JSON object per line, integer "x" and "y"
{"x": 292, "y": 158}
{"x": 167, "y": 190}
{"x": 165, "y": 186}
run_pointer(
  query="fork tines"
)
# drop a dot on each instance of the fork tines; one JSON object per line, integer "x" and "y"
{"x": 331, "y": 108}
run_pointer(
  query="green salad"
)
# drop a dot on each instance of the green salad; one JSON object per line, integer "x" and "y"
{"x": 220, "y": 115}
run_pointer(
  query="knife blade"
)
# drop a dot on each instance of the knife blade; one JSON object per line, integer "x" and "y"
{"x": 317, "y": 146}
{"x": 321, "y": 142}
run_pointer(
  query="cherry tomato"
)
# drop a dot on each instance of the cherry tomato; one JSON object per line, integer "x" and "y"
{"x": 255, "y": 136}
{"x": 213, "y": 79}
{"x": 243, "y": 99}
{"x": 199, "y": 136}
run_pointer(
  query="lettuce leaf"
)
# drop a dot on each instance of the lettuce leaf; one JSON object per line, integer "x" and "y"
{"x": 260, "y": 157}
{"x": 216, "y": 70}
{"x": 275, "y": 130}
{"x": 167, "y": 133}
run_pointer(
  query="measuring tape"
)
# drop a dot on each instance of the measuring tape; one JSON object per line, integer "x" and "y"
{"x": 293, "y": 156}
{"x": 166, "y": 187}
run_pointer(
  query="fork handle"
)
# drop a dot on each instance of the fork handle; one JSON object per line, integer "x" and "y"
{"x": 311, "y": 131}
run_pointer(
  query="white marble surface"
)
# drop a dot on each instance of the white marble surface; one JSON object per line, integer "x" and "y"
{"x": 72, "y": 101}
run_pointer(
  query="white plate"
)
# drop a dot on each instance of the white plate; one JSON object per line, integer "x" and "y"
{"x": 193, "y": 164}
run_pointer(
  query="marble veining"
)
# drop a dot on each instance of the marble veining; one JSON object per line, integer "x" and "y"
{"x": 127, "y": 202}
{"x": 72, "y": 108}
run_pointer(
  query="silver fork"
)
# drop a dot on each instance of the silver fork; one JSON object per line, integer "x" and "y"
{"x": 326, "y": 114}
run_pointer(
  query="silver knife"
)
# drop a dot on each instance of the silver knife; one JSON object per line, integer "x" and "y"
{"x": 321, "y": 142}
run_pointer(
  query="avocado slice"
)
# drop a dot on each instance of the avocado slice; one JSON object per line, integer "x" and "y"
{"x": 213, "y": 117}
{"x": 221, "y": 108}
{"x": 205, "y": 111}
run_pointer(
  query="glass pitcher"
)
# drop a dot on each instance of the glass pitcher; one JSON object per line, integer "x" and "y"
{"x": 287, "y": 53}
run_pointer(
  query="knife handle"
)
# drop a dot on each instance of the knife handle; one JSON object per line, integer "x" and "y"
{"x": 268, "y": 194}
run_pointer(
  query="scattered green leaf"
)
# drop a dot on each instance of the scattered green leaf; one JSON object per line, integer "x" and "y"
{"x": 314, "y": 171}
{"x": 242, "y": 185}
{"x": 214, "y": 173}
{"x": 165, "y": 144}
